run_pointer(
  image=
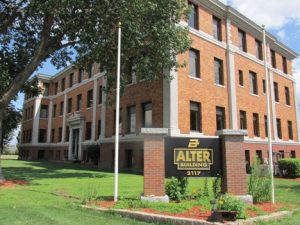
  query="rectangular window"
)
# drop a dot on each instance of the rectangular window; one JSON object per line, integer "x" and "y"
{"x": 284, "y": 65}
{"x": 279, "y": 133}
{"x": 193, "y": 17}
{"x": 52, "y": 135}
{"x": 282, "y": 154}
{"x": 69, "y": 105}
{"x": 80, "y": 75}
{"x": 147, "y": 115}
{"x": 258, "y": 48}
{"x": 276, "y": 92}
{"x": 46, "y": 89}
{"x": 61, "y": 108}
{"x": 194, "y": 63}
{"x": 60, "y": 134}
{"x": 264, "y": 86}
{"x": 266, "y": 126}
{"x": 71, "y": 80}
{"x": 67, "y": 134}
{"x": 129, "y": 158}
{"x": 290, "y": 130}
{"x": 217, "y": 28}
{"x": 241, "y": 78}
{"x": 293, "y": 154}
{"x": 253, "y": 83}
{"x": 63, "y": 84}
{"x": 54, "y": 111}
{"x": 88, "y": 131}
{"x": 99, "y": 128}
{"x": 120, "y": 122}
{"x": 220, "y": 118}
{"x": 243, "y": 120}
{"x": 219, "y": 75}
{"x": 44, "y": 111}
{"x": 256, "y": 124}
{"x": 287, "y": 96}
{"x": 89, "y": 99}
{"x": 273, "y": 58}
{"x": 259, "y": 156}
{"x": 100, "y": 94}
{"x": 131, "y": 112}
{"x": 242, "y": 40}
{"x": 79, "y": 102}
{"x": 247, "y": 159}
{"x": 90, "y": 70}
{"x": 42, "y": 135}
{"x": 56, "y": 88}
{"x": 195, "y": 116}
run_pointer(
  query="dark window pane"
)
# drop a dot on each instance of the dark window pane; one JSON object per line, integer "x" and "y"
{"x": 219, "y": 76}
{"x": 217, "y": 29}
{"x": 194, "y": 63}
{"x": 193, "y": 17}
{"x": 220, "y": 118}
{"x": 195, "y": 116}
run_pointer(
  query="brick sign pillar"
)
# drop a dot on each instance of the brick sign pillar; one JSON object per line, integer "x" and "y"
{"x": 234, "y": 180}
{"x": 154, "y": 164}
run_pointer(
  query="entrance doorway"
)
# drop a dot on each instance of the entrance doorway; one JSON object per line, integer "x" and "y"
{"x": 75, "y": 143}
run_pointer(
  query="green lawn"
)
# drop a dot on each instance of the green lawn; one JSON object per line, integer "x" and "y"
{"x": 56, "y": 191}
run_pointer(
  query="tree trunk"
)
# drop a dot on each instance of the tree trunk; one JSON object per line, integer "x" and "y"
{"x": 2, "y": 179}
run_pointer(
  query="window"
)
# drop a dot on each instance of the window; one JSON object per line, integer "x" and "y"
{"x": 217, "y": 29}
{"x": 193, "y": 17}
{"x": 194, "y": 63}
{"x": 290, "y": 130}
{"x": 264, "y": 86}
{"x": 129, "y": 158}
{"x": 258, "y": 48}
{"x": 44, "y": 111}
{"x": 276, "y": 93}
{"x": 247, "y": 159}
{"x": 279, "y": 133}
{"x": 259, "y": 156}
{"x": 220, "y": 118}
{"x": 131, "y": 76}
{"x": 78, "y": 106}
{"x": 80, "y": 75}
{"x": 54, "y": 111}
{"x": 56, "y": 88}
{"x": 242, "y": 40}
{"x": 99, "y": 128}
{"x": 284, "y": 65}
{"x": 255, "y": 124}
{"x": 243, "y": 120}
{"x": 88, "y": 131}
{"x": 147, "y": 115}
{"x": 273, "y": 58}
{"x": 69, "y": 105}
{"x": 61, "y": 108}
{"x": 253, "y": 83}
{"x": 67, "y": 134}
{"x": 71, "y": 80}
{"x": 63, "y": 84}
{"x": 52, "y": 135}
{"x": 219, "y": 76}
{"x": 46, "y": 89}
{"x": 266, "y": 126}
{"x": 60, "y": 134}
{"x": 282, "y": 154}
{"x": 90, "y": 70}
{"x": 241, "y": 78}
{"x": 131, "y": 119}
{"x": 42, "y": 135}
{"x": 120, "y": 122}
{"x": 89, "y": 100}
{"x": 100, "y": 94}
{"x": 287, "y": 96}
{"x": 195, "y": 116}
{"x": 293, "y": 154}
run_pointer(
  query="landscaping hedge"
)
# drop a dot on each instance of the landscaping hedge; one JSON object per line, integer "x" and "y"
{"x": 289, "y": 167}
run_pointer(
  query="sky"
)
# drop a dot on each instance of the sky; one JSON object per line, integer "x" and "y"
{"x": 281, "y": 18}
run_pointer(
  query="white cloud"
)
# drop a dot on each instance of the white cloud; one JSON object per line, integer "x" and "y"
{"x": 282, "y": 35}
{"x": 272, "y": 13}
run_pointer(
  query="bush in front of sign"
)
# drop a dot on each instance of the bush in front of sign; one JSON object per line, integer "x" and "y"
{"x": 176, "y": 188}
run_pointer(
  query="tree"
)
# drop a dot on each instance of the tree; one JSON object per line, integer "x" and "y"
{"x": 32, "y": 31}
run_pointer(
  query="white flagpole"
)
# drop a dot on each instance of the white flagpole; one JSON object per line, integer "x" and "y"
{"x": 268, "y": 116}
{"x": 117, "y": 116}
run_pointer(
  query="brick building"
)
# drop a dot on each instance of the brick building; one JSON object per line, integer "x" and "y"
{"x": 223, "y": 86}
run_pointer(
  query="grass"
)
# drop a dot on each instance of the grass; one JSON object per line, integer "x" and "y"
{"x": 56, "y": 191}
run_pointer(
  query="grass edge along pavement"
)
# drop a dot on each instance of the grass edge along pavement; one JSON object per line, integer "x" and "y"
{"x": 52, "y": 185}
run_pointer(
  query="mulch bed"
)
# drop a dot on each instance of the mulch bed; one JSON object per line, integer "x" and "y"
{"x": 12, "y": 183}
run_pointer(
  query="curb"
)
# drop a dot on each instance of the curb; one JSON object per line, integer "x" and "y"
{"x": 150, "y": 217}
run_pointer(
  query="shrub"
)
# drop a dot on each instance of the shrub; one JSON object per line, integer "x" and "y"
{"x": 205, "y": 188}
{"x": 231, "y": 203}
{"x": 259, "y": 185}
{"x": 290, "y": 167}
{"x": 216, "y": 186}
{"x": 176, "y": 188}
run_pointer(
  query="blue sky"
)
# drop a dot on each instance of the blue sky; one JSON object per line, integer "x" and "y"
{"x": 282, "y": 19}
